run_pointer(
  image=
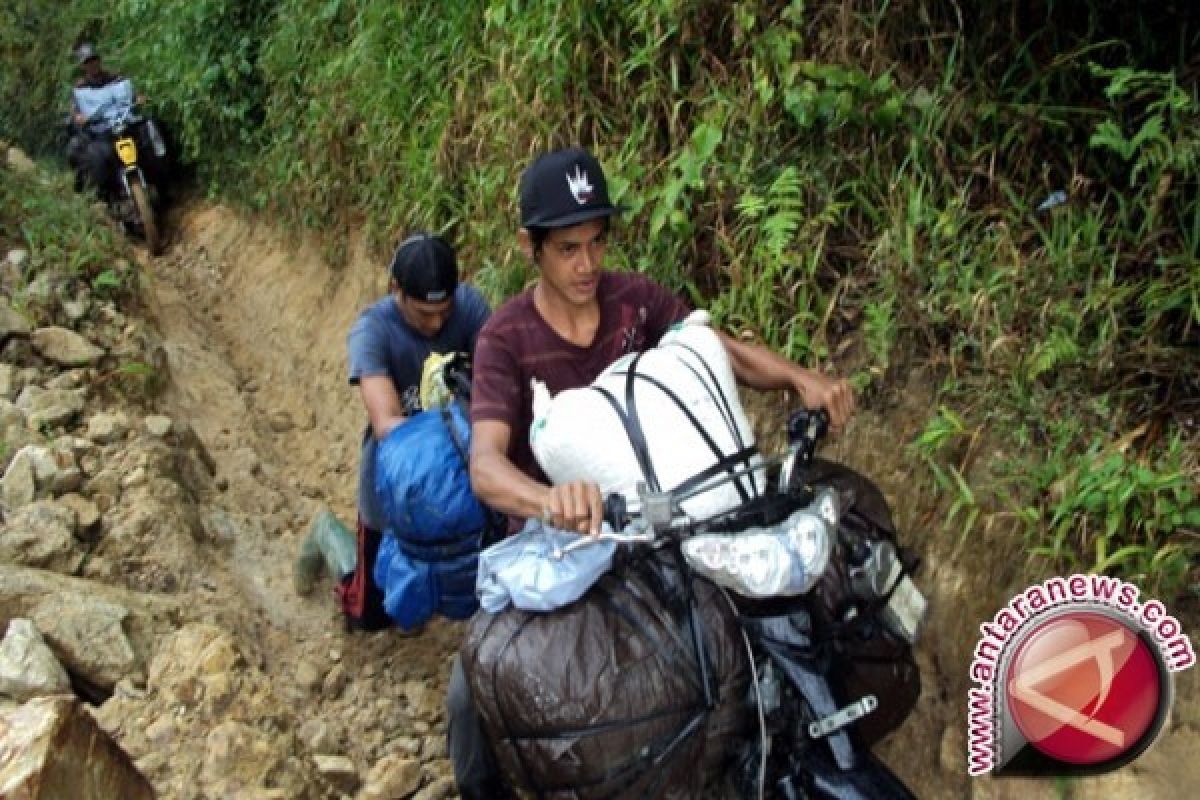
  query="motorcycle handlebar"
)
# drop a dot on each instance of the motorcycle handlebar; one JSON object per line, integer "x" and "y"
{"x": 805, "y": 429}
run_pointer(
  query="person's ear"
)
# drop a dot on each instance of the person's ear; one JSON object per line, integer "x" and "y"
{"x": 526, "y": 242}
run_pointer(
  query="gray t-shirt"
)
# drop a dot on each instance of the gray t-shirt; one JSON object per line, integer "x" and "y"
{"x": 382, "y": 343}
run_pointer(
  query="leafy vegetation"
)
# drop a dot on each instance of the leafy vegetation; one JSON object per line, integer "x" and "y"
{"x": 68, "y": 239}
{"x": 1011, "y": 204}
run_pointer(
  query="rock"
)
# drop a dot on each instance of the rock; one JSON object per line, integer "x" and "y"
{"x": 18, "y": 487}
{"x": 41, "y": 534}
{"x": 335, "y": 681}
{"x": 28, "y": 668}
{"x": 88, "y": 634}
{"x": 12, "y": 419}
{"x": 41, "y": 596}
{"x": 54, "y": 742}
{"x": 235, "y": 754}
{"x": 195, "y": 665}
{"x": 280, "y": 421}
{"x": 339, "y": 771}
{"x": 65, "y": 347}
{"x": 45, "y": 465}
{"x": 308, "y": 675}
{"x": 424, "y": 703}
{"x": 77, "y": 309}
{"x": 87, "y": 515}
{"x": 316, "y": 734}
{"x": 162, "y": 731}
{"x": 17, "y": 257}
{"x": 106, "y": 427}
{"x": 66, "y": 481}
{"x": 50, "y": 407}
{"x": 135, "y": 478}
{"x": 158, "y": 425}
{"x": 952, "y": 753}
{"x": 71, "y": 379}
{"x": 19, "y": 162}
{"x": 8, "y": 381}
{"x": 12, "y": 322}
{"x": 392, "y": 778}
{"x": 105, "y": 482}
{"x": 439, "y": 789}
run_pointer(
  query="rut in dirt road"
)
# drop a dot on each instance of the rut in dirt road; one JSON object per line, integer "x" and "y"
{"x": 255, "y": 339}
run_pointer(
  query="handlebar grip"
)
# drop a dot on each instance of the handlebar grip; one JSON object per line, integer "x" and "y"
{"x": 808, "y": 426}
{"x": 616, "y": 511}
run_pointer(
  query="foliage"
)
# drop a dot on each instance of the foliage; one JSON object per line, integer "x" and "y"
{"x": 856, "y": 184}
{"x": 67, "y": 236}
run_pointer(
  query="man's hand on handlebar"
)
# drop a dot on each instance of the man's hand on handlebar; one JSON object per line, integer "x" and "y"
{"x": 575, "y": 506}
{"x": 833, "y": 395}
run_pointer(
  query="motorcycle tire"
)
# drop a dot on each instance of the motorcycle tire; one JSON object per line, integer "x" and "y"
{"x": 145, "y": 212}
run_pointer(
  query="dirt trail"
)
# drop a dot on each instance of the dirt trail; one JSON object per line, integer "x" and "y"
{"x": 254, "y": 327}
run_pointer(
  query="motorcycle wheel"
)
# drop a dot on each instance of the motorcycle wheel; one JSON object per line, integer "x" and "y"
{"x": 145, "y": 212}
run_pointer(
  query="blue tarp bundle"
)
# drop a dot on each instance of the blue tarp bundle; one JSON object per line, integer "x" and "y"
{"x": 429, "y": 554}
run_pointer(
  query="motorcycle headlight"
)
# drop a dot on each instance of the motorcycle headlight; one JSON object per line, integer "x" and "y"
{"x": 785, "y": 559}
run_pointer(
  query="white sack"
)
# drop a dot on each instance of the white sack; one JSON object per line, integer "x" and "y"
{"x": 578, "y": 435}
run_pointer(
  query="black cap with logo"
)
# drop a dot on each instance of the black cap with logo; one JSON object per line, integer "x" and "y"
{"x": 425, "y": 268}
{"x": 564, "y": 188}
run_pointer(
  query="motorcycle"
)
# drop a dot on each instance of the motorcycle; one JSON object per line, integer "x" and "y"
{"x": 822, "y": 596}
{"x": 133, "y": 199}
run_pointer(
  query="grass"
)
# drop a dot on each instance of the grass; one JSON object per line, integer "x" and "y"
{"x": 855, "y": 184}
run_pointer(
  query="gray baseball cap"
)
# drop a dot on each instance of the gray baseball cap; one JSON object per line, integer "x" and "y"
{"x": 84, "y": 53}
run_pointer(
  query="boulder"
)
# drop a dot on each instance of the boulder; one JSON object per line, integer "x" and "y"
{"x": 87, "y": 515}
{"x": 393, "y": 777}
{"x": 8, "y": 381}
{"x": 158, "y": 425}
{"x": 45, "y": 465}
{"x": 105, "y": 427}
{"x": 28, "y": 667}
{"x": 338, "y": 770}
{"x": 36, "y": 593}
{"x": 18, "y": 487}
{"x": 88, "y": 634}
{"x": 65, "y": 347}
{"x": 12, "y": 322}
{"x": 50, "y": 407}
{"x": 19, "y": 162}
{"x": 51, "y": 748}
{"x": 17, "y": 257}
{"x": 41, "y": 534}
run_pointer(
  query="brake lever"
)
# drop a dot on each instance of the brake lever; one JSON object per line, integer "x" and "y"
{"x": 621, "y": 537}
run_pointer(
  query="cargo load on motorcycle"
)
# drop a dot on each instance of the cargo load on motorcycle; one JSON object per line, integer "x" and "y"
{"x": 762, "y": 630}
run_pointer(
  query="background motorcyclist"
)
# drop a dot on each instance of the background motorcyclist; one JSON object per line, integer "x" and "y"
{"x": 89, "y": 147}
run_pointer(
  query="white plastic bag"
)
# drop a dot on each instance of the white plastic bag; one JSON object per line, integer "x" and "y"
{"x": 580, "y": 435}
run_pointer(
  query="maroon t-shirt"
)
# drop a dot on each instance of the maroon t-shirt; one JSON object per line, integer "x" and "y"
{"x": 517, "y": 344}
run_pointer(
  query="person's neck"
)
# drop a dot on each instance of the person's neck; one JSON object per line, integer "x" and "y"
{"x": 575, "y": 323}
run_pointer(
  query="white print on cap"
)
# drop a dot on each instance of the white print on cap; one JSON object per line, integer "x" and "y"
{"x": 433, "y": 297}
{"x": 581, "y": 188}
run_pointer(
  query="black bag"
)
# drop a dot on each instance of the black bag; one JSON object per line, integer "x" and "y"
{"x": 635, "y": 690}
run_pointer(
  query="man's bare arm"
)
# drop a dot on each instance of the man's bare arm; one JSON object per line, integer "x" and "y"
{"x": 498, "y": 483}
{"x": 759, "y": 368}
{"x": 384, "y": 409}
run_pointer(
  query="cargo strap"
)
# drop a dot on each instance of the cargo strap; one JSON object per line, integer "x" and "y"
{"x": 631, "y": 422}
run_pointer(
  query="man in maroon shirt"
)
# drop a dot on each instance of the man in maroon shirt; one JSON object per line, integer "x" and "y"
{"x": 564, "y": 331}
{"x": 572, "y": 324}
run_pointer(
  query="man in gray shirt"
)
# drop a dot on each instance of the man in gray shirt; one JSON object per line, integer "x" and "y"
{"x": 427, "y": 311}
